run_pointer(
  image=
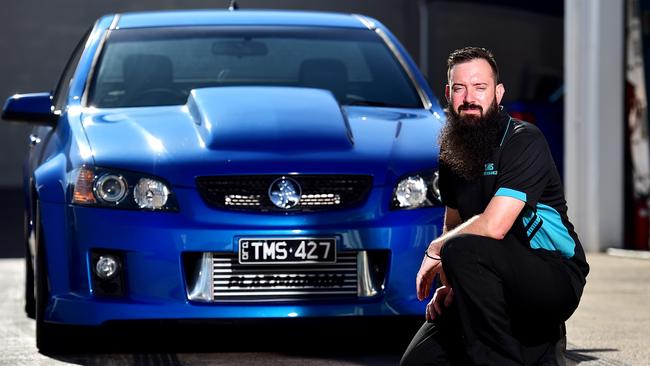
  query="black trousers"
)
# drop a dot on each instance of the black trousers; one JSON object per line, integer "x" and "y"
{"x": 509, "y": 307}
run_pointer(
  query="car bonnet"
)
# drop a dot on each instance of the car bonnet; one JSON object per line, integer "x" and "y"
{"x": 262, "y": 130}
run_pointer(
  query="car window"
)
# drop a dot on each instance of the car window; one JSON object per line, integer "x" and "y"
{"x": 159, "y": 66}
{"x": 63, "y": 86}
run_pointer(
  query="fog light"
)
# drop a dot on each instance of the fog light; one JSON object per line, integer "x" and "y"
{"x": 106, "y": 267}
{"x": 108, "y": 270}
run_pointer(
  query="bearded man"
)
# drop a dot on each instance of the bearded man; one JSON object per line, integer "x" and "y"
{"x": 511, "y": 267}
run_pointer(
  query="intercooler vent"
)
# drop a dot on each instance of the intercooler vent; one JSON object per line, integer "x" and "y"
{"x": 219, "y": 277}
{"x": 234, "y": 281}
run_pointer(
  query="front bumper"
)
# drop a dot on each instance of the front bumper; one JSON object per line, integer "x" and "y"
{"x": 156, "y": 278}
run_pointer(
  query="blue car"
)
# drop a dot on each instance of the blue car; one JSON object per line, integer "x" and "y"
{"x": 216, "y": 165}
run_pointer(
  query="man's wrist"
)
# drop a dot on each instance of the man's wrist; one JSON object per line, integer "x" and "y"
{"x": 435, "y": 246}
{"x": 434, "y": 257}
{"x": 433, "y": 250}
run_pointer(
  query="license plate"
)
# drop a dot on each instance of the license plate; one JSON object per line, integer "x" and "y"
{"x": 287, "y": 250}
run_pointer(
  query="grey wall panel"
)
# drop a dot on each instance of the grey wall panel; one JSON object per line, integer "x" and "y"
{"x": 528, "y": 46}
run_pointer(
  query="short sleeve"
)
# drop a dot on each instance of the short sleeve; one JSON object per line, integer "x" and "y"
{"x": 524, "y": 167}
{"x": 445, "y": 177}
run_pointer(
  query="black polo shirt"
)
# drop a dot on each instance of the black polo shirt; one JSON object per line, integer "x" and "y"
{"x": 521, "y": 167}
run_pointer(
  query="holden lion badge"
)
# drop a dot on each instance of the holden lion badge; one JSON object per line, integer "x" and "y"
{"x": 285, "y": 192}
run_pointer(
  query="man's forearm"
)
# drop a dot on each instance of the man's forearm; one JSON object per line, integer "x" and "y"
{"x": 472, "y": 226}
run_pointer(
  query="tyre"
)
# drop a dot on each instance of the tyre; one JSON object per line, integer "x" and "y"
{"x": 30, "y": 300}
{"x": 47, "y": 338}
{"x": 50, "y": 337}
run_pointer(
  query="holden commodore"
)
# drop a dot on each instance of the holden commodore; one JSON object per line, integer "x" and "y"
{"x": 228, "y": 165}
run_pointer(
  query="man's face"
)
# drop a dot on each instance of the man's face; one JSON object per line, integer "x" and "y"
{"x": 472, "y": 88}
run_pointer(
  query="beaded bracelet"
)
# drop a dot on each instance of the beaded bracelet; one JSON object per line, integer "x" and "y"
{"x": 435, "y": 258}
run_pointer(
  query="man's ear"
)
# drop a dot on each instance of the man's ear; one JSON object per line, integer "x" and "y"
{"x": 500, "y": 90}
{"x": 447, "y": 93}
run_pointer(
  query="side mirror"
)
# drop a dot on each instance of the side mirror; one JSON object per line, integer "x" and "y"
{"x": 34, "y": 108}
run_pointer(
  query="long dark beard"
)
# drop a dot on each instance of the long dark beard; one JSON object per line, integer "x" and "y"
{"x": 467, "y": 142}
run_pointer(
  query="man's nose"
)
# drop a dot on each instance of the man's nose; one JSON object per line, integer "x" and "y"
{"x": 469, "y": 97}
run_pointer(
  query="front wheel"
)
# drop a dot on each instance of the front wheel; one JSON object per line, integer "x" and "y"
{"x": 45, "y": 333}
{"x": 50, "y": 337}
{"x": 30, "y": 300}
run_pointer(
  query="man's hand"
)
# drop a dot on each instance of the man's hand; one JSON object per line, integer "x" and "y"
{"x": 431, "y": 266}
{"x": 425, "y": 276}
{"x": 441, "y": 299}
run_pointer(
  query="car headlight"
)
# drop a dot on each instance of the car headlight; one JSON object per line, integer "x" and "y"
{"x": 435, "y": 189}
{"x": 415, "y": 191}
{"x": 111, "y": 188}
{"x": 411, "y": 192}
{"x": 151, "y": 194}
{"x": 127, "y": 190}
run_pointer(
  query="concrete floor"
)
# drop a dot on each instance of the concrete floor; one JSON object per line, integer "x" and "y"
{"x": 613, "y": 320}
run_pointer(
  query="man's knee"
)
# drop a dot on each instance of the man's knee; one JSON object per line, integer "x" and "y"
{"x": 463, "y": 248}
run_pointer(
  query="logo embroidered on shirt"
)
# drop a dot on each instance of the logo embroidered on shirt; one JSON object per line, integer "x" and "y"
{"x": 489, "y": 169}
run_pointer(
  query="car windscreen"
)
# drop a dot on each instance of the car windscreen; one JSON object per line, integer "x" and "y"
{"x": 160, "y": 66}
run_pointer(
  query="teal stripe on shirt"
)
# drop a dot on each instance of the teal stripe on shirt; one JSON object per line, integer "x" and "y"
{"x": 553, "y": 235}
{"x": 507, "y": 192}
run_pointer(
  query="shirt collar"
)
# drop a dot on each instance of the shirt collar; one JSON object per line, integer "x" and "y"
{"x": 505, "y": 122}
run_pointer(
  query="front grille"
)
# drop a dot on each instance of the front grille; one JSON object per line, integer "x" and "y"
{"x": 235, "y": 281}
{"x": 250, "y": 193}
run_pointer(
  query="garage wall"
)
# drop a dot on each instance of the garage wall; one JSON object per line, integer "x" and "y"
{"x": 528, "y": 46}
